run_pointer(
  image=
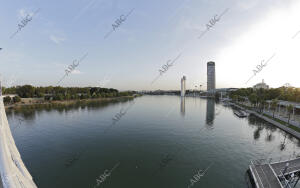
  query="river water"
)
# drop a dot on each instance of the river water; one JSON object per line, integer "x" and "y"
{"x": 153, "y": 142}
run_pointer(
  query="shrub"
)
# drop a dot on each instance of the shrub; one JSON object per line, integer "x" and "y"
{"x": 7, "y": 100}
{"x": 17, "y": 99}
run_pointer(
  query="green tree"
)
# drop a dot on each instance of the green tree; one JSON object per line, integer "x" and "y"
{"x": 261, "y": 104}
{"x": 7, "y": 100}
{"x": 235, "y": 98}
{"x": 68, "y": 96}
{"x": 274, "y": 104}
{"x": 59, "y": 97}
{"x": 290, "y": 110}
{"x": 25, "y": 91}
{"x": 17, "y": 99}
{"x": 253, "y": 99}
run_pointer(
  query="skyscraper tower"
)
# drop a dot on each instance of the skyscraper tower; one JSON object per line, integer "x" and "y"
{"x": 211, "y": 76}
{"x": 183, "y": 86}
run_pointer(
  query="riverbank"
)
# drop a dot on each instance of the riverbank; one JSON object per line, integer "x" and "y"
{"x": 66, "y": 103}
{"x": 292, "y": 131}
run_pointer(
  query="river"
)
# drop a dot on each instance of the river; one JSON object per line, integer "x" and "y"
{"x": 153, "y": 142}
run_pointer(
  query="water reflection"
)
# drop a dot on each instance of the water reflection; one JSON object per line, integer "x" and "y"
{"x": 256, "y": 133}
{"x": 75, "y": 150}
{"x": 269, "y": 136}
{"x": 29, "y": 113}
{"x": 282, "y": 144}
{"x": 210, "y": 112}
{"x": 182, "y": 106}
{"x": 270, "y": 129}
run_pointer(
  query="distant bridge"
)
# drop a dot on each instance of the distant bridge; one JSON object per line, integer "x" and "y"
{"x": 13, "y": 173}
{"x": 283, "y": 174}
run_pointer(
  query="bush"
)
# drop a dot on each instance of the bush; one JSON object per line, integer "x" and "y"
{"x": 17, "y": 99}
{"x": 58, "y": 97}
{"x": 7, "y": 100}
{"x": 47, "y": 98}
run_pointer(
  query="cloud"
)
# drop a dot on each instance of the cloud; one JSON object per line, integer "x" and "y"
{"x": 76, "y": 72}
{"x": 56, "y": 39}
{"x": 246, "y": 5}
{"x": 22, "y": 13}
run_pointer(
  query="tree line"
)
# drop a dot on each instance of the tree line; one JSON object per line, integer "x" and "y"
{"x": 282, "y": 93}
{"x": 64, "y": 93}
{"x": 258, "y": 97}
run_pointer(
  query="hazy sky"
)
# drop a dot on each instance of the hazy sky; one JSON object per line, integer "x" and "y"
{"x": 156, "y": 31}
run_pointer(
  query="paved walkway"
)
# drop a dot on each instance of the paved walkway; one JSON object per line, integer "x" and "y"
{"x": 279, "y": 125}
{"x": 265, "y": 176}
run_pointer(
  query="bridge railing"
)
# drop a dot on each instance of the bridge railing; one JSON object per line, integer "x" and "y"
{"x": 275, "y": 159}
{"x": 284, "y": 181}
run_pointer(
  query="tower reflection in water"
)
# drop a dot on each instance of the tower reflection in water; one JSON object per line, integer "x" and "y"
{"x": 182, "y": 106}
{"x": 210, "y": 112}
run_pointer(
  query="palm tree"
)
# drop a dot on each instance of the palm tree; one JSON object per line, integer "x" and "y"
{"x": 253, "y": 98}
{"x": 235, "y": 98}
{"x": 290, "y": 110}
{"x": 274, "y": 104}
{"x": 261, "y": 104}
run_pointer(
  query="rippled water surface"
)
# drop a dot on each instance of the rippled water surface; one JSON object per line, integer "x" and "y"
{"x": 156, "y": 142}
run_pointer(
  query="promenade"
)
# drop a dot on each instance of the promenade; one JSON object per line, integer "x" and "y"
{"x": 279, "y": 125}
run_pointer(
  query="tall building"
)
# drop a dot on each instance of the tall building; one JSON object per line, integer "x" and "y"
{"x": 262, "y": 85}
{"x": 211, "y": 76}
{"x": 183, "y": 86}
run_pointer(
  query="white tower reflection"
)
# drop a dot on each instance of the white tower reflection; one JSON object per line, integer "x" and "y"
{"x": 182, "y": 106}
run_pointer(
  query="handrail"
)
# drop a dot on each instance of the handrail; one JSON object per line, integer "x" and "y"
{"x": 254, "y": 175}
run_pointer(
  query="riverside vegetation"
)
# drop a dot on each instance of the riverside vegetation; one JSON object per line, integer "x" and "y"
{"x": 61, "y": 95}
{"x": 258, "y": 100}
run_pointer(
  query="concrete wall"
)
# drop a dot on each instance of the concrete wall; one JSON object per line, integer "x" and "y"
{"x": 13, "y": 173}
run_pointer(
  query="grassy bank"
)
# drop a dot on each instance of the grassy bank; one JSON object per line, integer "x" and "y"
{"x": 284, "y": 123}
{"x": 67, "y": 103}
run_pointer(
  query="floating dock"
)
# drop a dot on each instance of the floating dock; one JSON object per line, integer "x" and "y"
{"x": 240, "y": 114}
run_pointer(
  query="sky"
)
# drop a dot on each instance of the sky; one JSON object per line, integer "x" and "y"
{"x": 154, "y": 33}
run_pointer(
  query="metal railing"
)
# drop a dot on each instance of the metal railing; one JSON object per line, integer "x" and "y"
{"x": 273, "y": 160}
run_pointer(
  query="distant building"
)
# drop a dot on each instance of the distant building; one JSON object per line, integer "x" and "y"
{"x": 183, "y": 79}
{"x": 211, "y": 76}
{"x": 262, "y": 85}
